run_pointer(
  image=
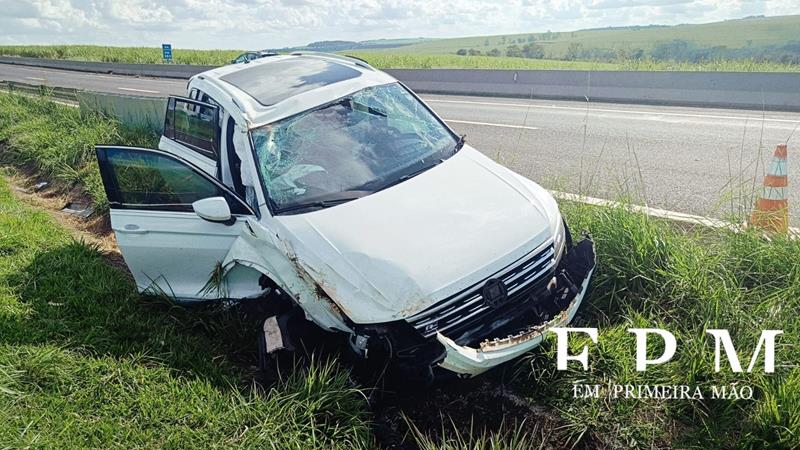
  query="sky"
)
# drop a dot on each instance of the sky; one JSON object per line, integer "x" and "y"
{"x": 255, "y": 24}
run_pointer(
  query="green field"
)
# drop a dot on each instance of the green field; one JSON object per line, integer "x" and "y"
{"x": 412, "y": 61}
{"x": 391, "y": 60}
{"x": 86, "y": 362}
{"x": 730, "y": 33}
{"x": 764, "y": 44}
{"x": 134, "y": 55}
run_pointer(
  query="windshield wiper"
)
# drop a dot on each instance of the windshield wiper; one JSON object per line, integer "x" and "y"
{"x": 321, "y": 204}
{"x": 409, "y": 175}
{"x": 461, "y": 141}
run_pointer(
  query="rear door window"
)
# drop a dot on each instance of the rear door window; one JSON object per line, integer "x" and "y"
{"x": 194, "y": 124}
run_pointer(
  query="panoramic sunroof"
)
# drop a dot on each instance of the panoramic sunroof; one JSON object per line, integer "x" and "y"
{"x": 278, "y": 80}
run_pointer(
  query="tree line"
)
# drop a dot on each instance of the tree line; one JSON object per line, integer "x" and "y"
{"x": 676, "y": 50}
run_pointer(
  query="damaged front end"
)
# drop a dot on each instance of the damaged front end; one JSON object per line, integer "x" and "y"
{"x": 488, "y": 323}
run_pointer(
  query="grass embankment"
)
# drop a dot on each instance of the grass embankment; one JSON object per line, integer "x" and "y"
{"x": 58, "y": 142}
{"x": 85, "y": 362}
{"x": 654, "y": 274}
{"x": 401, "y": 58}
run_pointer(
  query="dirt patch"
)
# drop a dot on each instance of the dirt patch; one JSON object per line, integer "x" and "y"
{"x": 52, "y": 198}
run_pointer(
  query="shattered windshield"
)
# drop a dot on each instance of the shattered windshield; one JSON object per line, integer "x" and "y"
{"x": 349, "y": 148}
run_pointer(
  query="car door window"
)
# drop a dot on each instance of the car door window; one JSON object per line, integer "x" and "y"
{"x": 194, "y": 124}
{"x": 148, "y": 179}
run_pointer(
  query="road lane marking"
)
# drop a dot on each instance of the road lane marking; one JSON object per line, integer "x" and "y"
{"x": 660, "y": 213}
{"x": 146, "y": 91}
{"x": 35, "y": 78}
{"x": 623, "y": 111}
{"x": 487, "y": 124}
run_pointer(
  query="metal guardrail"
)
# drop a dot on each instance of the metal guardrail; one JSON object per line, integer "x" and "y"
{"x": 771, "y": 91}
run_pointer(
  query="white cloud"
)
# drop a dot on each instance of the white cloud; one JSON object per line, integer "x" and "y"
{"x": 277, "y": 23}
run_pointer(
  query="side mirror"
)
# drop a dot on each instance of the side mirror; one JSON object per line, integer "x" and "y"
{"x": 214, "y": 209}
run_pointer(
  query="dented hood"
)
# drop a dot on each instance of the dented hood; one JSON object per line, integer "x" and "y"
{"x": 391, "y": 254}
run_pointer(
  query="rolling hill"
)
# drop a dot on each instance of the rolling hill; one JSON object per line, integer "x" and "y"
{"x": 733, "y": 34}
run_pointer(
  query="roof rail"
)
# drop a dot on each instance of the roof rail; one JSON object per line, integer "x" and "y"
{"x": 352, "y": 59}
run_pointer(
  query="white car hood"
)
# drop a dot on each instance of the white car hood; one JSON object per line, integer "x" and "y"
{"x": 391, "y": 254}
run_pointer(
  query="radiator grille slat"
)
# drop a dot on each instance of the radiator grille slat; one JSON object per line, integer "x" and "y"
{"x": 519, "y": 278}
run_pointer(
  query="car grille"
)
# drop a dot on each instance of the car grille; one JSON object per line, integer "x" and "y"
{"x": 521, "y": 279}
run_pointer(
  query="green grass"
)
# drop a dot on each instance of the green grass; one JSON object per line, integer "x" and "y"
{"x": 59, "y": 143}
{"x": 386, "y": 60}
{"x": 653, "y": 274}
{"x": 403, "y": 58}
{"x": 86, "y": 362}
{"x": 135, "y": 55}
{"x": 731, "y": 33}
{"x": 416, "y": 61}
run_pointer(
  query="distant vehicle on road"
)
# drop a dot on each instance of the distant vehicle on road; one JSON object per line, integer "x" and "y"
{"x": 325, "y": 187}
{"x": 251, "y": 56}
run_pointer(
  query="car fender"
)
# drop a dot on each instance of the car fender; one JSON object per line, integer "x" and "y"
{"x": 265, "y": 252}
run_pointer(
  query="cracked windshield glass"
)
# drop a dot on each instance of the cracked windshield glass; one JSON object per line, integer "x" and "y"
{"x": 349, "y": 148}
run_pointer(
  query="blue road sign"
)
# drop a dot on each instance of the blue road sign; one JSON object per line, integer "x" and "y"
{"x": 166, "y": 50}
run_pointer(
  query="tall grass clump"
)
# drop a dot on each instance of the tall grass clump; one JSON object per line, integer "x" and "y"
{"x": 58, "y": 142}
{"x": 654, "y": 274}
{"x": 133, "y": 55}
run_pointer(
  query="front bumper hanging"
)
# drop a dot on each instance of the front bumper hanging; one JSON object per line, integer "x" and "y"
{"x": 573, "y": 275}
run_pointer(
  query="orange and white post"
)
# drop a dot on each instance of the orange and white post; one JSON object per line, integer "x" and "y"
{"x": 772, "y": 207}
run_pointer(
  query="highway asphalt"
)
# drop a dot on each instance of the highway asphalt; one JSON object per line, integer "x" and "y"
{"x": 693, "y": 160}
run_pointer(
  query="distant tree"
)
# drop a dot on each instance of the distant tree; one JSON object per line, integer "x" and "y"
{"x": 461, "y": 52}
{"x": 531, "y": 50}
{"x": 514, "y": 51}
{"x": 675, "y": 50}
{"x": 573, "y": 51}
{"x": 486, "y": 43}
{"x": 503, "y": 40}
{"x": 473, "y": 52}
{"x": 494, "y": 52}
{"x": 532, "y": 38}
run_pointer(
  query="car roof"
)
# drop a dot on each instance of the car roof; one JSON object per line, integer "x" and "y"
{"x": 269, "y": 89}
{"x": 272, "y": 83}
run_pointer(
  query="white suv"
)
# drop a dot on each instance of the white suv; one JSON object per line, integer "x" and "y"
{"x": 323, "y": 179}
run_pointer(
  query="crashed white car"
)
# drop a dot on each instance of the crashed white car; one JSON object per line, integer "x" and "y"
{"x": 324, "y": 179}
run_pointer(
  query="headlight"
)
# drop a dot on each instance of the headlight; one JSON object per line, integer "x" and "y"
{"x": 560, "y": 240}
